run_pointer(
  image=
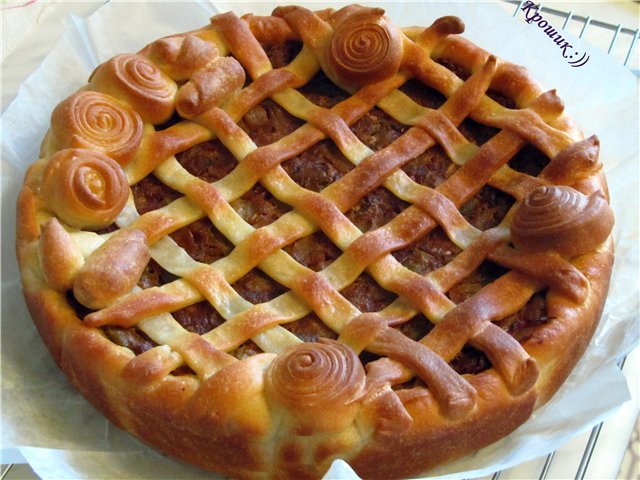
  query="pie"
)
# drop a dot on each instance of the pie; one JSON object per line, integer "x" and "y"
{"x": 280, "y": 240}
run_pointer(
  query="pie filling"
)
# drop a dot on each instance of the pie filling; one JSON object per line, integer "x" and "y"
{"x": 315, "y": 169}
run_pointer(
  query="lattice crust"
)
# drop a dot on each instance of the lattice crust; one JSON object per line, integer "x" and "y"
{"x": 388, "y": 403}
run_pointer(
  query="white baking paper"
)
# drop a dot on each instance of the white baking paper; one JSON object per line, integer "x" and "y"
{"x": 62, "y": 436}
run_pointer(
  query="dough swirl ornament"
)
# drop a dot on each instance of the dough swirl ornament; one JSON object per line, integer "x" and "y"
{"x": 556, "y": 218}
{"x": 85, "y": 188}
{"x": 364, "y": 48}
{"x": 276, "y": 241}
{"x": 138, "y": 82}
{"x": 97, "y": 121}
{"x": 311, "y": 378}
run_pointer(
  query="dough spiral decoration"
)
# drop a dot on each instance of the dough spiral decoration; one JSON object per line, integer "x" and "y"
{"x": 563, "y": 219}
{"x": 97, "y": 121}
{"x": 365, "y": 48}
{"x": 314, "y": 377}
{"x": 136, "y": 80}
{"x": 84, "y": 188}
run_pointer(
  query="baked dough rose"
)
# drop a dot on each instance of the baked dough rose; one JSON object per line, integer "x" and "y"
{"x": 365, "y": 48}
{"x": 97, "y": 121}
{"x": 135, "y": 80}
{"x": 84, "y": 188}
{"x": 312, "y": 378}
{"x": 563, "y": 219}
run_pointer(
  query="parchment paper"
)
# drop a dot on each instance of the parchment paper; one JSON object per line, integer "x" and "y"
{"x": 51, "y": 426}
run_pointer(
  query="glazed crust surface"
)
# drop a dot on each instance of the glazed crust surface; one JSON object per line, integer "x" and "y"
{"x": 248, "y": 397}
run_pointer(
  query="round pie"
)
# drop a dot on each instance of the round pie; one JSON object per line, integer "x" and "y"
{"x": 277, "y": 241}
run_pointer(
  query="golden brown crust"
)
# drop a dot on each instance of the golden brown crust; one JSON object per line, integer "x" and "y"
{"x": 559, "y": 347}
{"x": 209, "y": 87}
{"x": 60, "y": 258}
{"x": 290, "y": 411}
{"x": 180, "y": 57}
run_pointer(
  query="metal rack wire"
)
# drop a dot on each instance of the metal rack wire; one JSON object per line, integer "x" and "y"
{"x": 5, "y": 470}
